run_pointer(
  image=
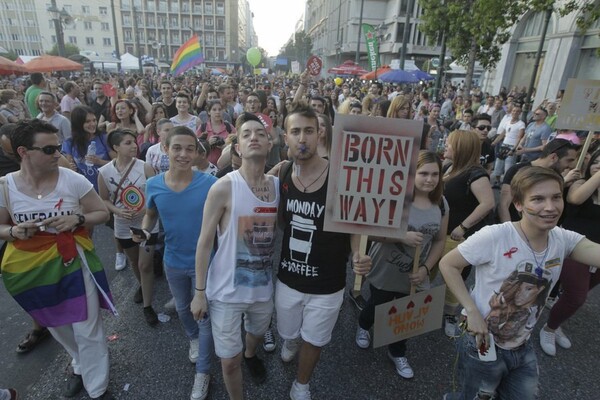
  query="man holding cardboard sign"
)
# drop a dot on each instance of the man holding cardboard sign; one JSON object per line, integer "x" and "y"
{"x": 312, "y": 272}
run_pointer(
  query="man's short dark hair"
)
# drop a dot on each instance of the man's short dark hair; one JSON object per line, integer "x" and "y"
{"x": 181, "y": 131}
{"x": 68, "y": 86}
{"x": 36, "y": 78}
{"x": 304, "y": 110}
{"x": 468, "y": 111}
{"x": 245, "y": 117}
{"x": 23, "y": 135}
{"x": 481, "y": 117}
{"x": 560, "y": 147}
{"x": 318, "y": 98}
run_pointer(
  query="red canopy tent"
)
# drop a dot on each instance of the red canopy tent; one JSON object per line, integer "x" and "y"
{"x": 48, "y": 63}
{"x": 348, "y": 67}
{"x": 8, "y": 67}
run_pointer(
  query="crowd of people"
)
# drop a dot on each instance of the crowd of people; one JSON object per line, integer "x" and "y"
{"x": 198, "y": 175}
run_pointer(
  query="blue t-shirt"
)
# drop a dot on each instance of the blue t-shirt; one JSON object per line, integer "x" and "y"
{"x": 89, "y": 171}
{"x": 181, "y": 216}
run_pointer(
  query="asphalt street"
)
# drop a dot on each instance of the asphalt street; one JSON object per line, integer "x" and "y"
{"x": 151, "y": 363}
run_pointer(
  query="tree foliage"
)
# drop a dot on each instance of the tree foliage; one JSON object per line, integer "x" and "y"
{"x": 70, "y": 49}
{"x": 476, "y": 29}
{"x": 299, "y": 48}
{"x": 11, "y": 55}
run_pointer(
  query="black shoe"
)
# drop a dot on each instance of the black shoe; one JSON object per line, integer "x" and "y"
{"x": 358, "y": 301}
{"x": 257, "y": 369}
{"x": 32, "y": 339}
{"x": 105, "y": 396}
{"x": 74, "y": 385}
{"x": 150, "y": 316}
{"x": 138, "y": 297}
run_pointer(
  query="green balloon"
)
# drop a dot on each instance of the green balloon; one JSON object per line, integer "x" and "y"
{"x": 253, "y": 56}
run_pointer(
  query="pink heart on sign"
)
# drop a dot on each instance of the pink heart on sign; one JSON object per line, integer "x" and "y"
{"x": 428, "y": 299}
{"x": 392, "y": 310}
{"x": 410, "y": 305}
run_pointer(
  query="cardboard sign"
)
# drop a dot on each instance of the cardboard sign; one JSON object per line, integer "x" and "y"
{"x": 580, "y": 106}
{"x": 371, "y": 178}
{"x": 295, "y": 67}
{"x": 314, "y": 65}
{"x": 409, "y": 316}
{"x": 109, "y": 90}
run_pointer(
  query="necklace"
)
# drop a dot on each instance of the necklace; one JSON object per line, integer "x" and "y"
{"x": 313, "y": 182}
{"x": 539, "y": 271}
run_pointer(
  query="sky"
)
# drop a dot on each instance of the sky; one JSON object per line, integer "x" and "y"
{"x": 274, "y": 22}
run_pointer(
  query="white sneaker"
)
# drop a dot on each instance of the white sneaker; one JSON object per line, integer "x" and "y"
{"x": 120, "y": 261}
{"x": 562, "y": 339}
{"x": 289, "y": 349}
{"x": 300, "y": 392}
{"x": 200, "y": 388}
{"x": 403, "y": 368}
{"x": 548, "y": 342}
{"x": 194, "y": 351}
{"x": 363, "y": 338}
{"x": 170, "y": 305}
{"x": 269, "y": 341}
{"x": 450, "y": 326}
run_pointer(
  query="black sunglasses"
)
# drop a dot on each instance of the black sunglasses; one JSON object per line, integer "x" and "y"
{"x": 49, "y": 149}
{"x": 484, "y": 127}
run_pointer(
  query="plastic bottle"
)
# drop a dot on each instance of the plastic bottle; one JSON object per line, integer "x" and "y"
{"x": 91, "y": 151}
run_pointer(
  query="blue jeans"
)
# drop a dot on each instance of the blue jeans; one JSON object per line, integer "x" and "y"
{"x": 182, "y": 282}
{"x": 514, "y": 374}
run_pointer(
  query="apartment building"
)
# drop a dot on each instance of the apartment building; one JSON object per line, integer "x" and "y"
{"x": 19, "y": 27}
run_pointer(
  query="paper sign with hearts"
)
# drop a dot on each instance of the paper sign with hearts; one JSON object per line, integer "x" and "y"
{"x": 409, "y": 316}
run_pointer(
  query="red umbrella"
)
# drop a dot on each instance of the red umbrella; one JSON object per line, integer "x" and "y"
{"x": 375, "y": 74}
{"x": 348, "y": 68}
{"x": 48, "y": 63}
{"x": 8, "y": 67}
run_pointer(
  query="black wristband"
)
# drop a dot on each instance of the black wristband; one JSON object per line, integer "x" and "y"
{"x": 200, "y": 290}
{"x": 428, "y": 270}
{"x": 10, "y": 232}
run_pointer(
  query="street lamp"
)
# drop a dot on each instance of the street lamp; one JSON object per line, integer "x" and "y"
{"x": 59, "y": 16}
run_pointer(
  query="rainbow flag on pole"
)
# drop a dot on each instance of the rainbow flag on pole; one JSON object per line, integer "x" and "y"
{"x": 188, "y": 55}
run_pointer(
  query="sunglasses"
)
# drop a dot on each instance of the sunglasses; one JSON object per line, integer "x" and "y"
{"x": 485, "y": 127}
{"x": 49, "y": 149}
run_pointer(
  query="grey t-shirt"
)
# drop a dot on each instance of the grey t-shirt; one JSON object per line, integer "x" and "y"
{"x": 392, "y": 262}
{"x": 534, "y": 134}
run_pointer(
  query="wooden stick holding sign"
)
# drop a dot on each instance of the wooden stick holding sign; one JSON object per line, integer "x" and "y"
{"x": 586, "y": 146}
{"x": 416, "y": 263}
{"x": 362, "y": 249}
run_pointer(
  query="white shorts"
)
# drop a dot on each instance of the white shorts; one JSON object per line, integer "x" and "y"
{"x": 226, "y": 320}
{"x": 311, "y": 316}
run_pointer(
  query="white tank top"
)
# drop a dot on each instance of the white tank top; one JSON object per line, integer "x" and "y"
{"x": 242, "y": 268}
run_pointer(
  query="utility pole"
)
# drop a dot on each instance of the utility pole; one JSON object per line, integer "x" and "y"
{"x": 114, "y": 21}
{"x": 406, "y": 34}
{"x": 137, "y": 39}
{"x": 60, "y": 37}
{"x": 362, "y": 6}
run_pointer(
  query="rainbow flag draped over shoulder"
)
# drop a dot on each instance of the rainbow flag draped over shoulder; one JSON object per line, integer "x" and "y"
{"x": 52, "y": 291}
{"x": 188, "y": 55}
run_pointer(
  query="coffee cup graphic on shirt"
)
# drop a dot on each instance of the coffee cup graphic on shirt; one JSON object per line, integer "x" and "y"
{"x": 302, "y": 231}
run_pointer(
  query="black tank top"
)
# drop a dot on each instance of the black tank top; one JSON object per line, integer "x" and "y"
{"x": 312, "y": 261}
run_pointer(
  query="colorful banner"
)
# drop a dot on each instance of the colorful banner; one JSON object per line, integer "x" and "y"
{"x": 372, "y": 45}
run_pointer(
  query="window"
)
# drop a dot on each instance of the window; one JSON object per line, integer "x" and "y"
{"x": 162, "y": 5}
{"x": 185, "y": 7}
{"x": 221, "y": 54}
{"x": 220, "y": 40}
{"x": 175, "y": 38}
{"x": 126, "y": 20}
{"x": 103, "y": 11}
{"x": 185, "y": 22}
{"x": 220, "y": 24}
{"x": 130, "y": 49}
{"x": 150, "y": 5}
{"x": 210, "y": 40}
{"x": 208, "y": 21}
{"x": 221, "y": 8}
{"x": 10, "y": 21}
{"x": 210, "y": 54}
{"x": 53, "y": 38}
{"x": 51, "y": 24}
{"x": 87, "y": 25}
{"x": 85, "y": 9}
{"x": 150, "y": 20}
{"x": 127, "y": 35}
{"x": 197, "y": 7}
{"x": 197, "y": 23}
{"x": 174, "y": 22}
{"x": 174, "y": 6}
{"x": 208, "y": 7}
{"x": 73, "y": 39}
{"x": 104, "y": 26}
{"x": 89, "y": 40}
{"x": 15, "y": 36}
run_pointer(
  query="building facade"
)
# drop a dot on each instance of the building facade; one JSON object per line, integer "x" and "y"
{"x": 157, "y": 28}
{"x": 333, "y": 26}
{"x": 567, "y": 53}
{"x": 19, "y": 27}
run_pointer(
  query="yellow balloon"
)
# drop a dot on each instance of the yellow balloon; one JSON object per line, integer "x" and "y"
{"x": 253, "y": 56}
{"x": 338, "y": 81}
